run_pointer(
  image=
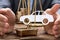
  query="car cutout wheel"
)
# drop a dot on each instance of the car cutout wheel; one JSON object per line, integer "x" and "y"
{"x": 45, "y": 21}
{"x": 26, "y": 21}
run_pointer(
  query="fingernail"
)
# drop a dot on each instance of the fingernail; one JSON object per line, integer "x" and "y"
{"x": 1, "y": 33}
{"x": 6, "y": 25}
{"x": 57, "y": 36}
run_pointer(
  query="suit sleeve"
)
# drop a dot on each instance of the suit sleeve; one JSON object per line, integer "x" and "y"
{"x": 56, "y": 1}
{"x": 5, "y": 4}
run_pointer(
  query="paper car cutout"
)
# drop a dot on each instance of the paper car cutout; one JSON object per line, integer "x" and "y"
{"x": 45, "y": 19}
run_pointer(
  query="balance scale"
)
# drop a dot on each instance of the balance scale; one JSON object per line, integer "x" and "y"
{"x": 27, "y": 31}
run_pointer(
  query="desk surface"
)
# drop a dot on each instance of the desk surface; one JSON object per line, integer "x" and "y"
{"x": 40, "y": 36}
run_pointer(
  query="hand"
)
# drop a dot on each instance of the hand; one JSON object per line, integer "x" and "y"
{"x": 54, "y": 28}
{"x": 7, "y": 20}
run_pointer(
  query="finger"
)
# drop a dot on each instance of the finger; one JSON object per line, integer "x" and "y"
{"x": 5, "y": 30}
{"x": 3, "y": 11}
{"x": 3, "y": 18}
{"x": 1, "y": 33}
{"x": 1, "y": 29}
{"x": 6, "y": 27}
{"x": 56, "y": 30}
{"x": 6, "y": 10}
{"x": 57, "y": 21}
{"x": 2, "y": 24}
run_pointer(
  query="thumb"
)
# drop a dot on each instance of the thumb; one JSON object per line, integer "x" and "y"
{"x": 53, "y": 9}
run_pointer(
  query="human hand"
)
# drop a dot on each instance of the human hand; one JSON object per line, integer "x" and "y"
{"x": 7, "y": 20}
{"x": 54, "y": 28}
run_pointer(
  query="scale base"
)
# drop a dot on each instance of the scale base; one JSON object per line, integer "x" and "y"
{"x": 26, "y": 32}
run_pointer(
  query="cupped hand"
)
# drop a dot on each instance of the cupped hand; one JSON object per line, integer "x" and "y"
{"x": 7, "y": 20}
{"x": 54, "y": 27}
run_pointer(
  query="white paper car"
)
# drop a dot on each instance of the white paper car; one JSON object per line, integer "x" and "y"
{"x": 45, "y": 19}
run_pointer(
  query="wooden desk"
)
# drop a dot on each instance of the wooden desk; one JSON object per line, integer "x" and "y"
{"x": 40, "y": 36}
